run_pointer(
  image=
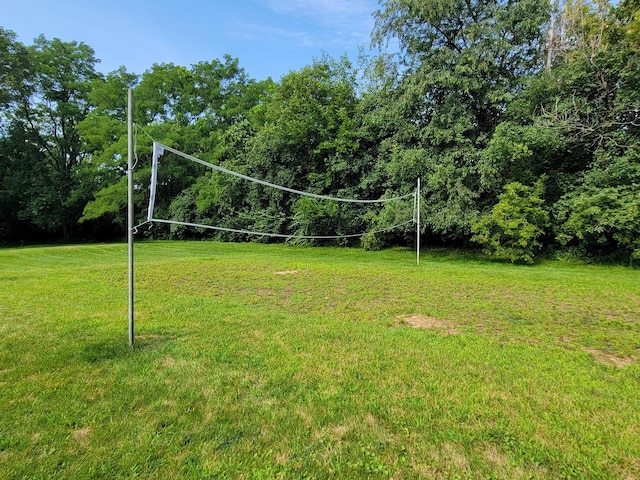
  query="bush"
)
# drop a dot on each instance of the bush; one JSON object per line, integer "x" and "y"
{"x": 602, "y": 216}
{"x": 513, "y": 227}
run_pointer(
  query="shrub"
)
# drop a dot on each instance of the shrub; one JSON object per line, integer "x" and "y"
{"x": 514, "y": 225}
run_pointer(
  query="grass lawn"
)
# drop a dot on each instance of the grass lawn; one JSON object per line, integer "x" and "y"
{"x": 270, "y": 361}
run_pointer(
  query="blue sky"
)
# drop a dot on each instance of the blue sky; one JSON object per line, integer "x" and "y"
{"x": 270, "y": 37}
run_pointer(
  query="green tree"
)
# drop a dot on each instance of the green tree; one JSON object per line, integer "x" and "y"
{"x": 104, "y": 132}
{"x": 14, "y": 66}
{"x": 186, "y": 108}
{"x": 601, "y": 216}
{"x": 49, "y": 84}
{"x": 590, "y": 99}
{"x": 513, "y": 227}
{"x": 15, "y": 69}
{"x": 463, "y": 62}
{"x": 20, "y": 174}
{"x": 522, "y": 151}
{"x": 304, "y": 137}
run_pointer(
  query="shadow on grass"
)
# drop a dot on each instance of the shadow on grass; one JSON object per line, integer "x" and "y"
{"x": 118, "y": 348}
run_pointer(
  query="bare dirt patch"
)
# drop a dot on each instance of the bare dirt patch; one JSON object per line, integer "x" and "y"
{"x": 287, "y": 272}
{"x": 172, "y": 362}
{"x": 430, "y": 323}
{"x": 609, "y": 359}
{"x": 282, "y": 458}
{"x": 496, "y": 457}
{"x": 81, "y": 436}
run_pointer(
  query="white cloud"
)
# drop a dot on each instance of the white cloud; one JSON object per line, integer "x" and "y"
{"x": 268, "y": 33}
{"x": 338, "y": 22}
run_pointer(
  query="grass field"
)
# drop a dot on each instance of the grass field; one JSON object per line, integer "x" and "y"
{"x": 269, "y": 361}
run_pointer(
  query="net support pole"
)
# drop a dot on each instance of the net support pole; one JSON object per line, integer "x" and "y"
{"x": 418, "y": 223}
{"x": 130, "y": 224}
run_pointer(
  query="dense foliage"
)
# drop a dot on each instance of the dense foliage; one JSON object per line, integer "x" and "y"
{"x": 522, "y": 118}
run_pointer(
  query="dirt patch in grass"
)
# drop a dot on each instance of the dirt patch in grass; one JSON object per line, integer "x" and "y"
{"x": 430, "y": 323}
{"x": 81, "y": 436}
{"x": 172, "y": 362}
{"x": 609, "y": 359}
{"x": 495, "y": 457}
{"x": 287, "y": 272}
{"x": 282, "y": 458}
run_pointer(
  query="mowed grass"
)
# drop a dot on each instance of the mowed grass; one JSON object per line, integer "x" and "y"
{"x": 269, "y": 361}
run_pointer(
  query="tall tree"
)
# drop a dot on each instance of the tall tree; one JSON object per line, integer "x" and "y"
{"x": 463, "y": 60}
{"x": 45, "y": 109}
{"x": 595, "y": 103}
{"x": 304, "y": 137}
{"x": 13, "y": 67}
{"x": 186, "y": 108}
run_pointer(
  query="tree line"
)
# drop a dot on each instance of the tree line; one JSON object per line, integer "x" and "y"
{"x": 521, "y": 117}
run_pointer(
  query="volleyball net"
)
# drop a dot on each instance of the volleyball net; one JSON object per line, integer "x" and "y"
{"x": 401, "y": 204}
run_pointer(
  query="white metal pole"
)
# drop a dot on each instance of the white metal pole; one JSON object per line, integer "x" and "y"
{"x": 418, "y": 223}
{"x": 130, "y": 209}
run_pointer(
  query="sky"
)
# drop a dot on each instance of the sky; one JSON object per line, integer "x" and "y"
{"x": 269, "y": 37}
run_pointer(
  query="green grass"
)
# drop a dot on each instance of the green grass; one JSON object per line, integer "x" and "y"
{"x": 243, "y": 372}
